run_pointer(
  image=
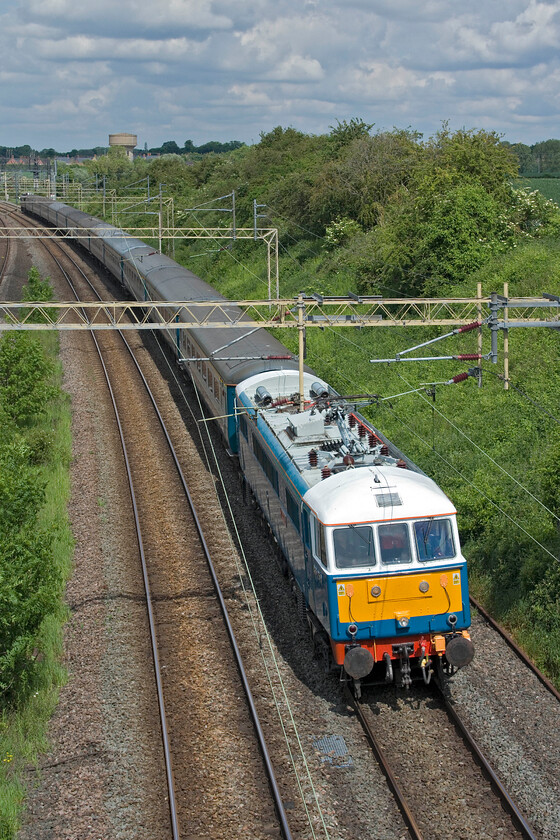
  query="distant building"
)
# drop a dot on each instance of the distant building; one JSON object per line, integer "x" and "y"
{"x": 128, "y": 142}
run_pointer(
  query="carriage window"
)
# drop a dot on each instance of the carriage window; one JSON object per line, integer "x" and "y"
{"x": 434, "y": 539}
{"x": 265, "y": 462}
{"x": 395, "y": 543}
{"x": 354, "y": 546}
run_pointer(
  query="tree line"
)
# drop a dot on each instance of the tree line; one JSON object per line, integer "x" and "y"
{"x": 166, "y": 148}
{"x": 540, "y": 159}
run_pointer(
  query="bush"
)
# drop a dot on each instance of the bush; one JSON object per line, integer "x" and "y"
{"x": 25, "y": 372}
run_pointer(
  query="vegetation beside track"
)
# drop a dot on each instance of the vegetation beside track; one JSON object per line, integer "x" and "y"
{"x": 396, "y": 215}
{"x": 35, "y": 549}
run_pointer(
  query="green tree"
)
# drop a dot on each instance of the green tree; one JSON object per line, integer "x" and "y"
{"x": 363, "y": 175}
{"x": 170, "y": 147}
{"x": 115, "y": 164}
{"x": 30, "y": 587}
{"x": 547, "y": 156}
{"x": 345, "y": 132}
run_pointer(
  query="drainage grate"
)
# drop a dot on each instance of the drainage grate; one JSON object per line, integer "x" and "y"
{"x": 334, "y": 750}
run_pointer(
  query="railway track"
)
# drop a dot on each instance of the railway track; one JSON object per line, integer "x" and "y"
{"x": 435, "y": 769}
{"x": 450, "y": 799}
{"x": 5, "y": 251}
{"x": 199, "y": 659}
{"x": 155, "y": 566}
{"x": 512, "y": 644}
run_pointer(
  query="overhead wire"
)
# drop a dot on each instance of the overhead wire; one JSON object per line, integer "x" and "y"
{"x": 261, "y": 630}
{"x": 234, "y": 258}
{"x": 482, "y": 451}
{"x": 523, "y": 394}
{"x": 463, "y": 434}
{"x": 473, "y": 485}
{"x": 458, "y": 472}
{"x": 397, "y": 292}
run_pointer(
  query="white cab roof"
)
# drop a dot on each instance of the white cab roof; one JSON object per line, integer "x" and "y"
{"x": 355, "y": 496}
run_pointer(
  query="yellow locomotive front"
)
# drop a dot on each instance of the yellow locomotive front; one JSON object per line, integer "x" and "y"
{"x": 397, "y": 589}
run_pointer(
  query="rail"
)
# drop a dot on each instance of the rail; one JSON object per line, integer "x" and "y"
{"x": 275, "y": 791}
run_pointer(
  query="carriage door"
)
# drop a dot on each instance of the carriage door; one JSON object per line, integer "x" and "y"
{"x": 307, "y": 552}
{"x": 317, "y": 571}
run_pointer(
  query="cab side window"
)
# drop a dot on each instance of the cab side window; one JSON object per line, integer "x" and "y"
{"x": 434, "y": 539}
{"x": 319, "y": 547}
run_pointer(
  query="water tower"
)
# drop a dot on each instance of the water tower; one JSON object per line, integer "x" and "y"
{"x": 128, "y": 142}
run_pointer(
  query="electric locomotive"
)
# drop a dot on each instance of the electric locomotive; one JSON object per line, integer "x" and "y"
{"x": 368, "y": 541}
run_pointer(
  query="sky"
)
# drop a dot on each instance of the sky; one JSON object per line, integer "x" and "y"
{"x": 72, "y": 73}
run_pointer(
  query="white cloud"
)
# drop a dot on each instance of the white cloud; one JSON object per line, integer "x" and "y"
{"x": 250, "y": 95}
{"x": 134, "y": 14}
{"x": 138, "y": 49}
{"x": 297, "y": 68}
{"x": 225, "y": 69}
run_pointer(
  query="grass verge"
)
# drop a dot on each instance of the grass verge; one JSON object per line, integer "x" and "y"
{"x": 23, "y": 727}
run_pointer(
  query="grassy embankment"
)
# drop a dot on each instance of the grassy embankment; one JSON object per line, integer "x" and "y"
{"x": 493, "y": 451}
{"x": 27, "y": 708}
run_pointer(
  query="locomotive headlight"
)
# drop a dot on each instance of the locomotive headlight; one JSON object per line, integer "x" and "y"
{"x": 403, "y": 621}
{"x": 424, "y": 586}
{"x": 376, "y": 591}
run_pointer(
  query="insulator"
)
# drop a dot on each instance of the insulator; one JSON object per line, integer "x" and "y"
{"x": 313, "y": 458}
{"x": 467, "y": 357}
{"x": 402, "y": 464}
{"x": 326, "y": 472}
{"x": 318, "y": 391}
{"x": 459, "y": 378}
{"x": 352, "y": 421}
{"x": 362, "y": 431}
{"x": 348, "y": 461}
{"x": 384, "y": 450}
{"x": 468, "y": 327}
{"x": 262, "y": 396}
{"x": 371, "y": 440}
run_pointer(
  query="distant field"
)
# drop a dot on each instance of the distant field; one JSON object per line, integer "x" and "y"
{"x": 549, "y": 187}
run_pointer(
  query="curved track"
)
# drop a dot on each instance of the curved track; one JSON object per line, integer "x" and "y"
{"x": 179, "y": 658}
{"x": 429, "y": 799}
{"x": 5, "y": 245}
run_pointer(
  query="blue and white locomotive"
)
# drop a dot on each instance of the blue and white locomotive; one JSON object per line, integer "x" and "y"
{"x": 370, "y": 542}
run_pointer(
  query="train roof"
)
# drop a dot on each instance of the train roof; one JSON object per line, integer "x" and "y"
{"x": 341, "y": 465}
{"x": 236, "y": 352}
{"x": 375, "y": 494}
